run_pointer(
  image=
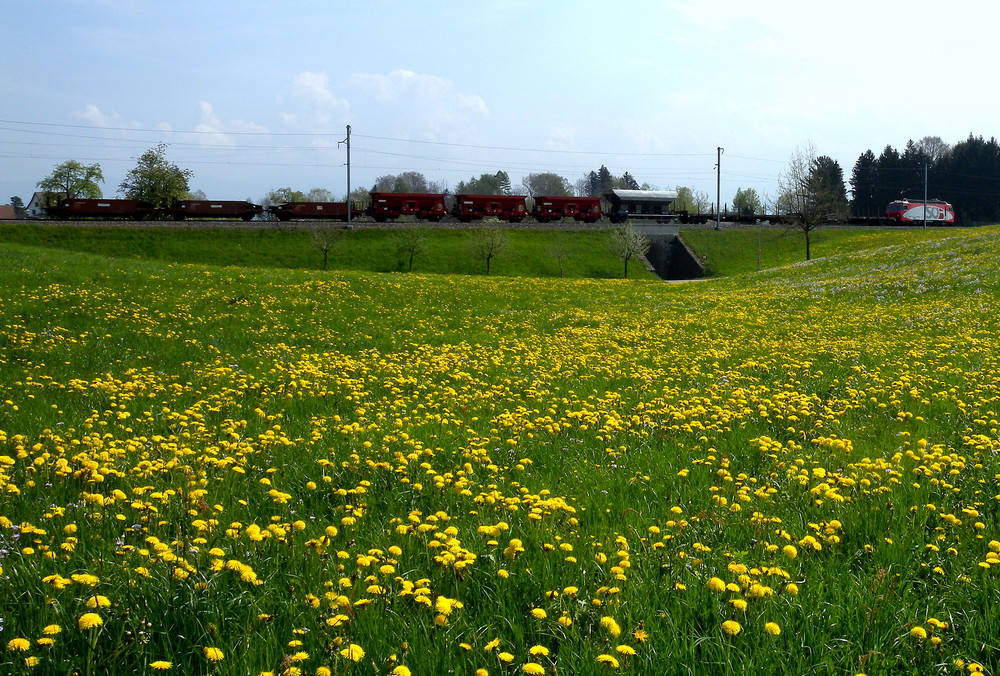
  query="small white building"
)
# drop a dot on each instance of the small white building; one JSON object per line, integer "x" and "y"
{"x": 36, "y": 207}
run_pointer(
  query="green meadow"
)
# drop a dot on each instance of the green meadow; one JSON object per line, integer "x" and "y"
{"x": 586, "y": 252}
{"x": 216, "y": 458}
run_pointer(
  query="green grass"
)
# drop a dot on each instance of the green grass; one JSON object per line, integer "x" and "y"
{"x": 728, "y": 252}
{"x": 368, "y": 249}
{"x": 734, "y": 251}
{"x": 283, "y": 463}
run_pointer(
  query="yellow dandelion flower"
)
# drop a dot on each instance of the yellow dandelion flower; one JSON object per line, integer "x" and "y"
{"x": 625, "y": 650}
{"x": 89, "y": 621}
{"x": 482, "y": 672}
{"x": 505, "y": 657}
{"x": 161, "y": 665}
{"x": 213, "y": 654}
{"x": 641, "y": 635}
{"x": 98, "y": 602}
{"x": 52, "y": 630}
{"x": 31, "y": 661}
{"x": 18, "y": 645}
{"x": 610, "y": 625}
{"x": 492, "y": 645}
{"x": 608, "y": 660}
{"x": 338, "y": 620}
{"x": 538, "y": 650}
{"x": 538, "y": 613}
{"x": 790, "y": 551}
{"x": 732, "y": 627}
{"x": 772, "y": 628}
{"x": 401, "y": 670}
{"x": 353, "y": 652}
{"x": 918, "y": 632}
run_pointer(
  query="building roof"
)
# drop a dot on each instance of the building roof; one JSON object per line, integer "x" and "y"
{"x": 618, "y": 195}
{"x": 7, "y": 211}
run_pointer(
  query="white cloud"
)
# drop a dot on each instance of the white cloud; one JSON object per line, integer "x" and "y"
{"x": 431, "y": 104}
{"x": 97, "y": 117}
{"x": 312, "y": 104}
{"x": 212, "y": 129}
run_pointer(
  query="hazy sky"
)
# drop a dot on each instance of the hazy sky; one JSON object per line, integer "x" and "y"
{"x": 255, "y": 95}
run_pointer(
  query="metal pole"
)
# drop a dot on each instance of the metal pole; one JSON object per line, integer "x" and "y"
{"x": 925, "y": 194}
{"x": 718, "y": 189}
{"x": 760, "y": 226}
{"x": 350, "y": 202}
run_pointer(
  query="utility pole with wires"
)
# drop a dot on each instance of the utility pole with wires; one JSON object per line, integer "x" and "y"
{"x": 349, "y": 200}
{"x": 718, "y": 188}
{"x": 925, "y": 194}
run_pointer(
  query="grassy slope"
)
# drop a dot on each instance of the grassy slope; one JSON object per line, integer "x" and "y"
{"x": 372, "y": 250}
{"x": 729, "y": 252}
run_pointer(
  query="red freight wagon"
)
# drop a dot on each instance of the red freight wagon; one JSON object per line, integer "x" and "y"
{"x": 313, "y": 211}
{"x": 425, "y": 206}
{"x": 586, "y": 209}
{"x": 182, "y": 209}
{"x": 505, "y": 207}
{"x": 100, "y": 208}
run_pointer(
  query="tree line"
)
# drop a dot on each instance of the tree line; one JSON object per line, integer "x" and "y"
{"x": 593, "y": 184}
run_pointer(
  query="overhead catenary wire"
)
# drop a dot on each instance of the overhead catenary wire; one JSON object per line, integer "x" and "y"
{"x": 113, "y": 149}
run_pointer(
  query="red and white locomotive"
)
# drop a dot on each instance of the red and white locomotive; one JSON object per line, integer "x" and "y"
{"x": 910, "y": 211}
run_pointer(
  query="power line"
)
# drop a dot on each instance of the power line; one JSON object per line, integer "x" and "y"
{"x": 324, "y": 135}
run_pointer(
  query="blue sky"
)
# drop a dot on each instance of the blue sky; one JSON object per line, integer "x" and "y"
{"x": 256, "y": 95}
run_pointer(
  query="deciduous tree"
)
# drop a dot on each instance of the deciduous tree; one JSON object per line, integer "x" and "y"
{"x": 488, "y": 244}
{"x": 561, "y": 250}
{"x": 812, "y": 192}
{"x": 628, "y": 244}
{"x": 747, "y": 202}
{"x": 319, "y": 195}
{"x": 547, "y": 183}
{"x": 72, "y": 179}
{"x": 410, "y": 243}
{"x": 486, "y": 184}
{"x": 325, "y": 238}
{"x": 155, "y": 179}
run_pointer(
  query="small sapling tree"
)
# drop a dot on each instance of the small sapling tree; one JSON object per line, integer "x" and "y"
{"x": 325, "y": 239}
{"x": 560, "y": 251}
{"x": 627, "y": 244}
{"x": 411, "y": 242}
{"x": 488, "y": 244}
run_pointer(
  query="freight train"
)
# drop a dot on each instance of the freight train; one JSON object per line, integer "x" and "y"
{"x": 384, "y": 206}
{"x": 617, "y": 206}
